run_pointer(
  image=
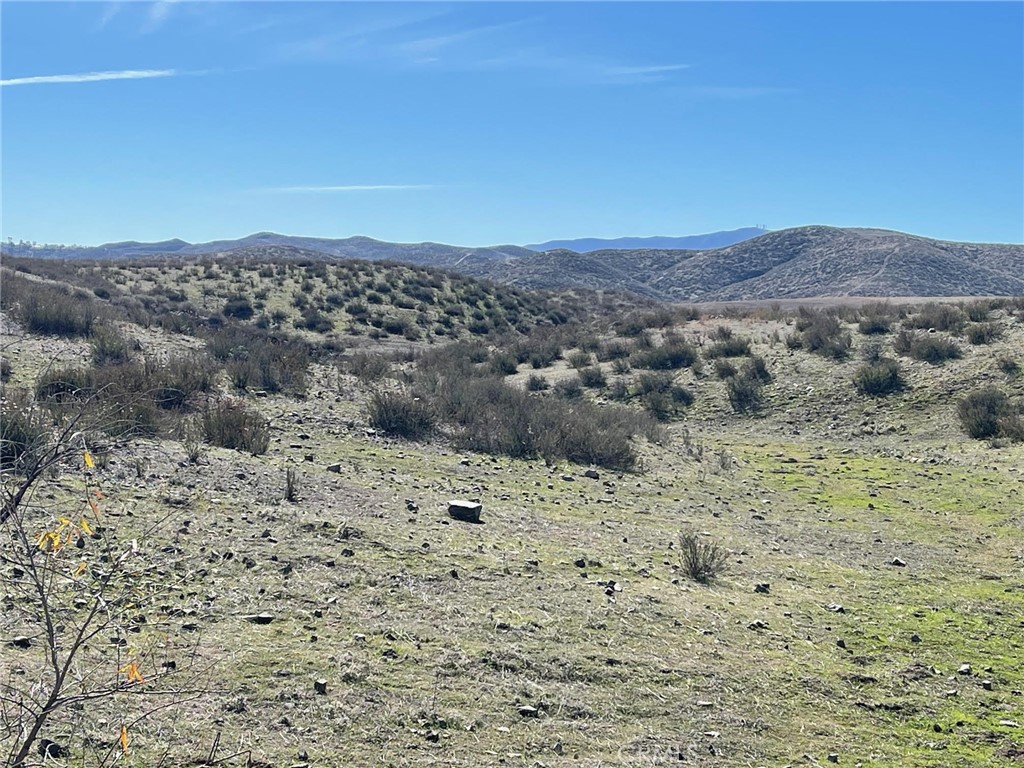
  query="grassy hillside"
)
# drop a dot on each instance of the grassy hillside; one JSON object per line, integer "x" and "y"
{"x": 307, "y": 599}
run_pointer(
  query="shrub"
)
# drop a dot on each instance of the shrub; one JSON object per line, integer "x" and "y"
{"x": 928, "y": 347}
{"x": 23, "y": 432}
{"x": 275, "y": 362}
{"x": 724, "y": 369}
{"x": 989, "y": 413}
{"x": 939, "y": 317}
{"x": 569, "y": 389}
{"x": 734, "y": 346}
{"x": 977, "y": 311}
{"x": 592, "y": 377}
{"x": 757, "y": 368}
{"x": 400, "y": 414}
{"x": 1008, "y": 365}
{"x": 745, "y": 394}
{"x": 536, "y": 383}
{"x": 613, "y": 350}
{"x": 983, "y": 333}
{"x": 5, "y": 369}
{"x": 238, "y": 307}
{"x": 874, "y": 325}
{"x": 503, "y": 363}
{"x": 721, "y": 333}
{"x": 47, "y": 308}
{"x": 821, "y": 333}
{"x": 872, "y": 351}
{"x": 701, "y": 560}
{"x": 579, "y": 359}
{"x": 879, "y": 378}
{"x": 671, "y": 355}
{"x": 109, "y": 346}
{"x": 229, "y": 424}
{"x": 314, "y": 320}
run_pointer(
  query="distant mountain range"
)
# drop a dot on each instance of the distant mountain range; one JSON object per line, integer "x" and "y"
{"x": 803, "y": 262}
{"x": 689, "y": 243}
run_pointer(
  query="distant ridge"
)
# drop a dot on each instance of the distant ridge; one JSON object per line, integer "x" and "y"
{"x": 797, "y": 263}
{"x": 689, "y": 242}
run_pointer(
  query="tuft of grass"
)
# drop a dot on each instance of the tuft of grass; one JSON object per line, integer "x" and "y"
{"x": 702, "y": 561}
{"x": 230, "y": 424}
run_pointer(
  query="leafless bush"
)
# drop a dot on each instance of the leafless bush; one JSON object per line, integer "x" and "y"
{"x": 701, "y": 560}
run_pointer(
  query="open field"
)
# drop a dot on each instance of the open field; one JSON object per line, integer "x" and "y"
{"x": 871, "y": 611}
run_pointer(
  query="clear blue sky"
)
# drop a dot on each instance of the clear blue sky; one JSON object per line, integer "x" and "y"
{"x": 486, "y": 123}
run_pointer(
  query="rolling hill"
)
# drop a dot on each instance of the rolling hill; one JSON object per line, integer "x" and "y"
{"x": 802, "y": 262}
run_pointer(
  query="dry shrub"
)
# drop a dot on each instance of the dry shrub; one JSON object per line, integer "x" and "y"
{"x": 230, "y": 424}
{"x": 701, "y": 560}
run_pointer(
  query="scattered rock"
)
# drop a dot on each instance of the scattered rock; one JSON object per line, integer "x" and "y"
{"x": 915, "y": 638}
{"x": 259, "y": 618}
{"x": 336, "y": 467}
{"x": 762, "y": 588}
{"x": 580, "y": 562}
{"x": 528, "y": 711}
{"x": 22, "y": 642}
{"x": 592, "y": 474}
{"x": 898, "y": 562}
{"x": 833, "y": 757}
{"x": 965, "y": 669}
{"x": 568, "y": 478}
{"x": 986, "y": 684}
{"x": 320, "y": 686}
{"x": 759, "y": 624}
{"x": 835, "y": 608}
{"x": 466, "y": 511}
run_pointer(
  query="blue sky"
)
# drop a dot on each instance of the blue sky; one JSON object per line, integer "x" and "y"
{"x": 485, "y": 123}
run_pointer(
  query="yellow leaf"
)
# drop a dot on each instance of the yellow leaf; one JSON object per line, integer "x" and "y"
{"x": 84, "y": 525}
{"x": 124, "y": 738}
{"x": 88, "y": 460}
{"x": 80, "y": 569}
{"x": 95, "y": 507}
{"x": 134, "y": 676}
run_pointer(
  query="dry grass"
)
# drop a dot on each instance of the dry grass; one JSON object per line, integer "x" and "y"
{"x": 562, "y": 631}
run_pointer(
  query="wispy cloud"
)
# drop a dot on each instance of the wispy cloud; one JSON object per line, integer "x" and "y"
{"x": 349, "y": 188}
{"x": 109, "y": 12}
{"x": 158, "y": 13}
{"x": 731, "y": 92}
{"x": 426, "y": 49}
{"x": 583, "y": 69}
{"x": 642, "y": 71}
{"x": 419, "y": 40}
{"x": 91, "y": 77}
